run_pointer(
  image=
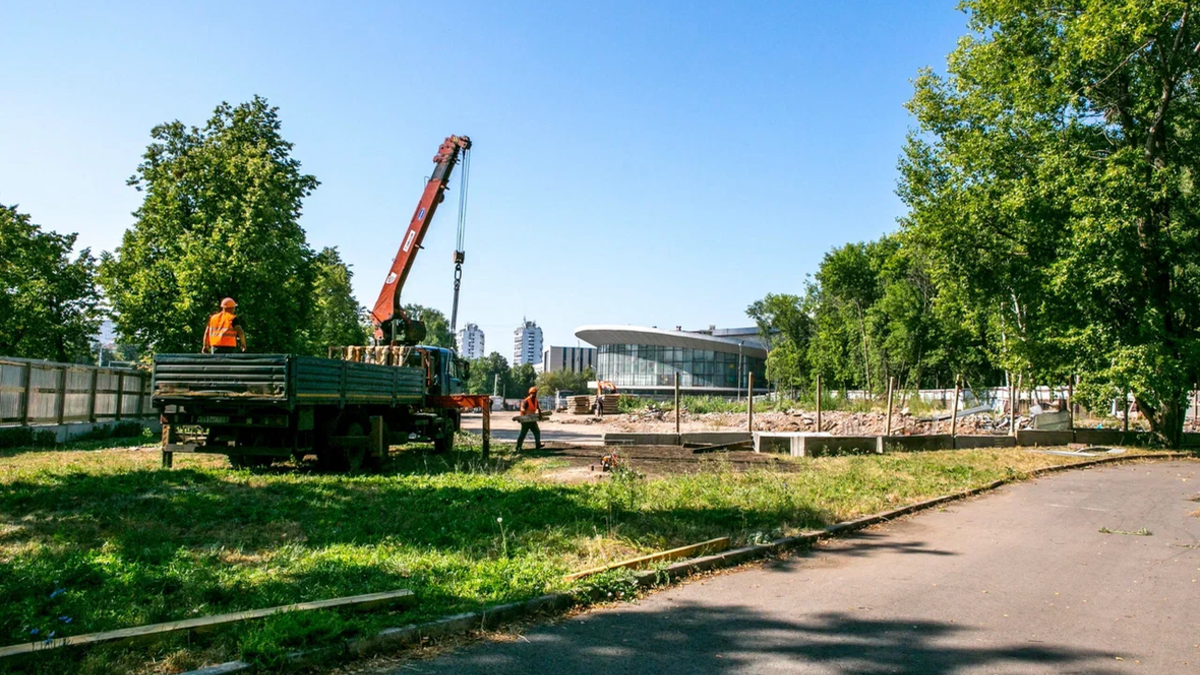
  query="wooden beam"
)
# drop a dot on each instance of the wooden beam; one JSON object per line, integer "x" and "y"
{"x": 209, "y": 622}
{"x": 710, "y": 546}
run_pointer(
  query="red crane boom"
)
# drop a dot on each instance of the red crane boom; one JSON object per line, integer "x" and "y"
{"x": 387, "y": 314}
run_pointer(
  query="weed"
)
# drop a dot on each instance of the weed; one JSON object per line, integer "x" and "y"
{"x": 1137, "y": 533}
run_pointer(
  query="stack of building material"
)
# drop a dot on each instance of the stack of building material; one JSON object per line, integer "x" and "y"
{"x": 586, "y": 405}
{"x": 579, "y": 405}
{"x": 608, "y": 404}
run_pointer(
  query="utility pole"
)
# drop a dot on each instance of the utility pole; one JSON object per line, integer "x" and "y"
{"x": 888, "y": 426}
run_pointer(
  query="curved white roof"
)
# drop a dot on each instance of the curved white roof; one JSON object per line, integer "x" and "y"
{"x": 638, "y": 335}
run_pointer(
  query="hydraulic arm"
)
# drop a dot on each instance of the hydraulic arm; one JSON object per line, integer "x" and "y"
{"x": 391, "y": 324}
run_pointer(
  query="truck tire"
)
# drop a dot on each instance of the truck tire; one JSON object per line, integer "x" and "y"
{"x": 343, "y": 459}
{"x": 250, "y": 461}
{"x": 444, "y": 443}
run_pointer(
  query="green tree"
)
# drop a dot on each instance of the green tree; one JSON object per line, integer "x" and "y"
{"x": 437, "y": 326}
{"x": 521, "y": 379}
{"x": 48, "y": 300}
{"x": 484, "y": 372}
{"x": 565, "y": 380}
{"x": 337, "y": 316}
{"x": 786, "y": 328}
{"x": 1052, "y": 175}
{"x": 219, "y": 218}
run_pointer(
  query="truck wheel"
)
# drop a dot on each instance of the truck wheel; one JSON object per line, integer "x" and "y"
{"x": 357, "y": 455}
{"x": 250, "y": 461}
{"x": 343, "y": 459}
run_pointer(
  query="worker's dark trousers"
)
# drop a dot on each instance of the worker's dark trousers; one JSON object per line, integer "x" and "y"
{"x": 526, "y": 427}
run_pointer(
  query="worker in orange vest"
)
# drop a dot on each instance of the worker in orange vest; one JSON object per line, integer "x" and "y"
{"x": 224, "y": 333}
{"x": 529, "y": 406}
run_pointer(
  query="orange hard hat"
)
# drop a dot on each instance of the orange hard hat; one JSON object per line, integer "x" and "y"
{"x": 228, "y": 302}
{"x": 533, "y": 390}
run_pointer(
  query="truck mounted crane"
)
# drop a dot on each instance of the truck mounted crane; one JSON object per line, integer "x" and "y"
{"x": 392, "y": 325}
{"x": 347, "y": 410}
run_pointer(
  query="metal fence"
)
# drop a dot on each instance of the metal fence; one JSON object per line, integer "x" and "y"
{"x": 43, "y": 392}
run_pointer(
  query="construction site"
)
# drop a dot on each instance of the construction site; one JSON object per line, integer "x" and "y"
{"x": 933, "y": 413}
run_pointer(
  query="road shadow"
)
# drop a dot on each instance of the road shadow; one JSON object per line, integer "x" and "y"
{"x": 690, "y": 638}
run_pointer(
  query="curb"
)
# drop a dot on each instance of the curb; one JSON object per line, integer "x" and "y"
{"x": 458, "y": 624}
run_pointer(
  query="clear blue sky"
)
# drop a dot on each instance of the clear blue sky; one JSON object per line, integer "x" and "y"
{"x": 635, "y": 163}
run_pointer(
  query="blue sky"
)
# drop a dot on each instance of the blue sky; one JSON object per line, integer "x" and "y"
{"x": 635, "y": 163}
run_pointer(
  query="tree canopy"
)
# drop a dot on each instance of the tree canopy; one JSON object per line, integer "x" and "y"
{"x": 219, "y": 218}
{"x": 47, "y": 298}
{"x": 337, "y": 316}
{"x": 1051, "y": 176}
{"x": 437, "y": 326}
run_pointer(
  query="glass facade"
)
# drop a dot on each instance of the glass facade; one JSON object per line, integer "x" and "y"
{"x": 633, "y": 366}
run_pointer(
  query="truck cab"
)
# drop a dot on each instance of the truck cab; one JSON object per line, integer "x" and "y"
{"x": 447, "y": 372}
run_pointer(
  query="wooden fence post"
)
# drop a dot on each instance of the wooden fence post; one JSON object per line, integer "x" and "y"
{"x": 121, "y": 394}
{"x": 1125, "y": 424}
{"x": 1012, "y": 408}
{"x": 25, "y": 397}
{"x": 1071, "y": 402}
{"x": 750, "y": 404}
{"x": 92, "y": 395}
{"x": 888, "y": 426}
{"x": 676, "y": 402}
{"x": 61, "y": 406}
{"x": 818, "y": 403}
{"x": 954, "y": 410}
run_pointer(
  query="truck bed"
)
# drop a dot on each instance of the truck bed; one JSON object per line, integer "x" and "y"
{"x": 282, "y": 379}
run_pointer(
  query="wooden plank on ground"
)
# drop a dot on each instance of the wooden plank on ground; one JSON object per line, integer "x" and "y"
{"x": 710, "y": 546}
{"x": 209, "y": 622}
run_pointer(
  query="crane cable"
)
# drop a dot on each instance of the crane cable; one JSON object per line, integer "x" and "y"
{"x": 459, "y": 252}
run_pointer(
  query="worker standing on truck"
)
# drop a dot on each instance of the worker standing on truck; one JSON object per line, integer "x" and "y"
{"x": 224, "y": 333}
{"x": 529, "y": 406}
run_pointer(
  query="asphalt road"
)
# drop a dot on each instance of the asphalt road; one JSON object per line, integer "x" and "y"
{"x": 1018, "y": 581}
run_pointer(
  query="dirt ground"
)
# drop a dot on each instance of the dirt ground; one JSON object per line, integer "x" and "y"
{"x": 576, "y": 464}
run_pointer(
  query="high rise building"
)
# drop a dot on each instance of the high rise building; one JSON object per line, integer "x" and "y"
{"x": 573, "y": 359}
{"x": 527, "y": 344}
{"x": 470, "y": 342}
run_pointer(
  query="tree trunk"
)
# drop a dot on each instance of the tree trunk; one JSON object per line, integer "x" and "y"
{"x": 1166, "y": 422}
{"x": 862, "y": 324}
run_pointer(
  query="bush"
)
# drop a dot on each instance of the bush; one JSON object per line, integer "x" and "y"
{"x": 26, "y": 437}
{"x": 698, "y": 405}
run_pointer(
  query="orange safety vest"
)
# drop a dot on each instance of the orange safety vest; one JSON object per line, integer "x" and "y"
{"x": 220, "y": 330}
{"x": 529, "y": 405}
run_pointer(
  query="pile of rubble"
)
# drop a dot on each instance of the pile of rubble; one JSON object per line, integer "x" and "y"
{"x": 654, "y": 419}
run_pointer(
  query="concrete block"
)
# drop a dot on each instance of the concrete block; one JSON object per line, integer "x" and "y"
{"x": 916, "y": 443}
{"x": 785, "y": 442}
{"x": 1052, "y": 421}
{"x": 630, "y": 438}
{"x": 967, "y": 442}
{"x": 1113, "y": 437}
{"x": 823, "y": 446}
{"x": 714, "y": 437}
{"x": 1035, "y": 438}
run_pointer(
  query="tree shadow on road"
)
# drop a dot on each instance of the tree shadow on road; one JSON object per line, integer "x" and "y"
{"x": 690, "y": 638}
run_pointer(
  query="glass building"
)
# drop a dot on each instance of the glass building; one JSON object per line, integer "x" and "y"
{"x": 646, "y": 360}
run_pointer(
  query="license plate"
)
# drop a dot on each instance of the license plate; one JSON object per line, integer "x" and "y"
{"x": 212, "y": 419}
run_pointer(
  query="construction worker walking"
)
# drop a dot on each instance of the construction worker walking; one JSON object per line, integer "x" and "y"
{"x": 224, "y": 334}
{"x": 529, "y": 406}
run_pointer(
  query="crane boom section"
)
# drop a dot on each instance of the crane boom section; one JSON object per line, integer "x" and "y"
{"x": 388, "y": 305}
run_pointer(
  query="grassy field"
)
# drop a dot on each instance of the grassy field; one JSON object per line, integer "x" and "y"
{"x": 100, "y": 539}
